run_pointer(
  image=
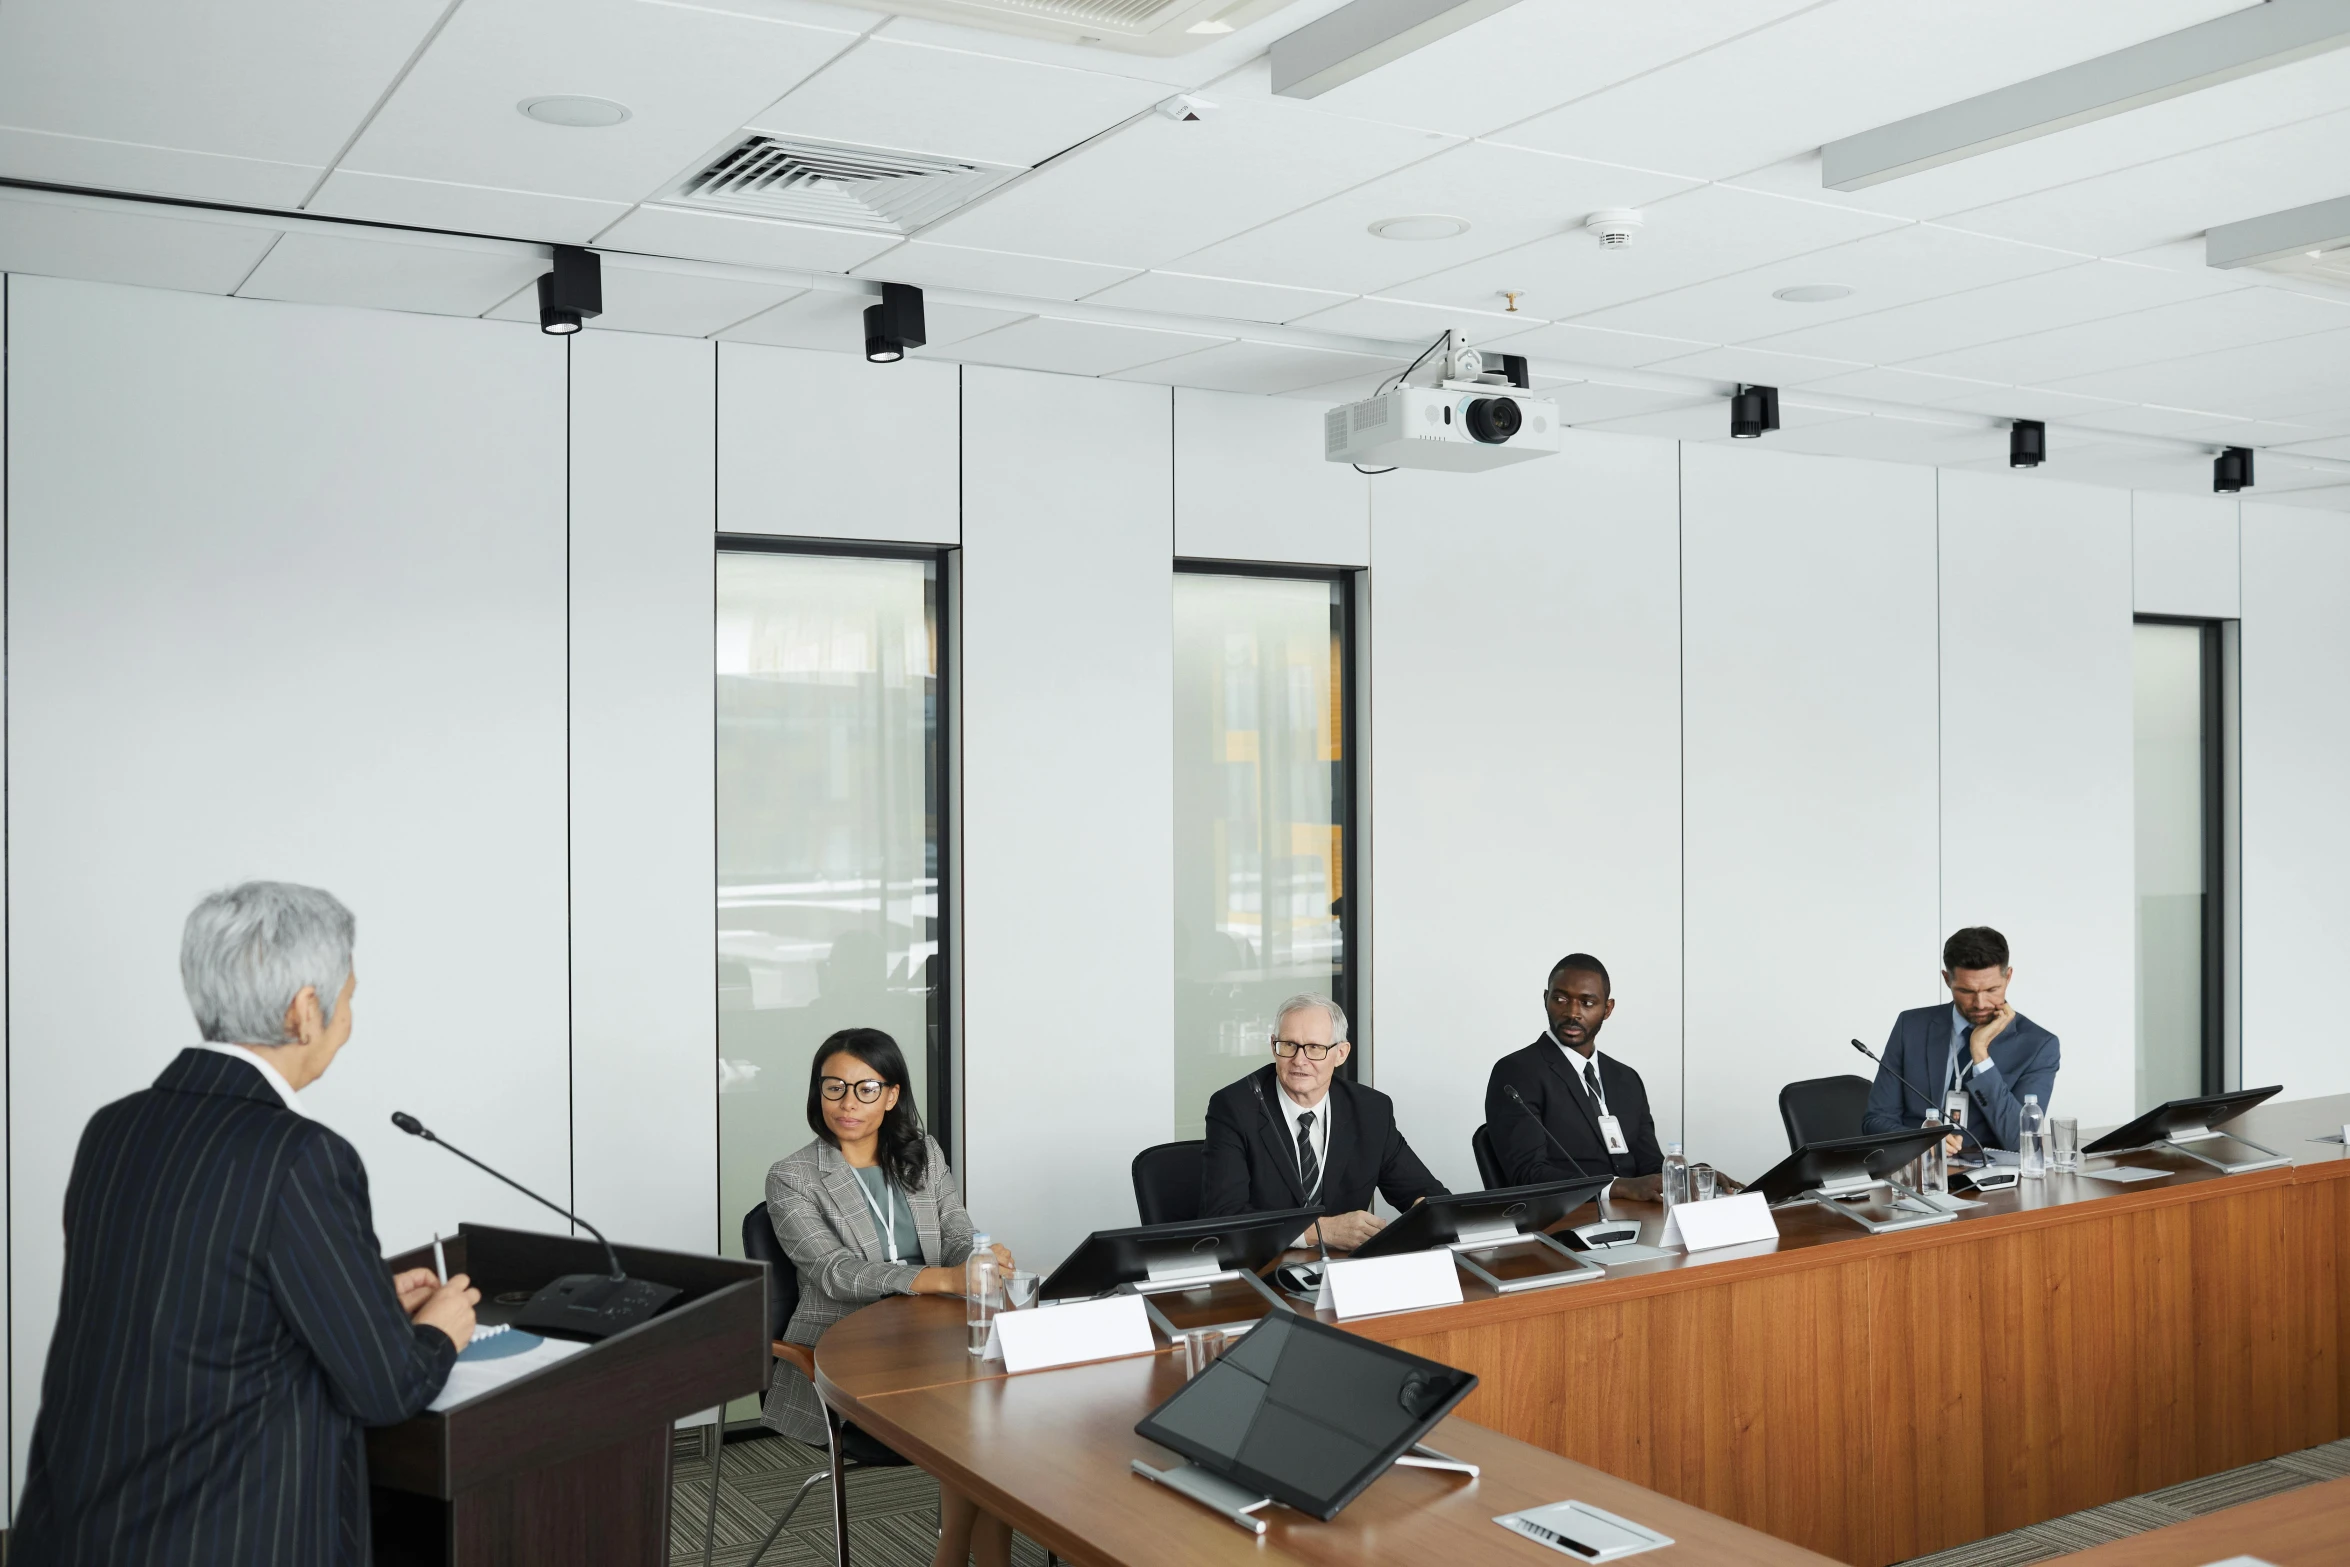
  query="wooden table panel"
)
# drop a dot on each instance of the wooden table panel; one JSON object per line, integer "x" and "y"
{"x": 2309, "y": 1527}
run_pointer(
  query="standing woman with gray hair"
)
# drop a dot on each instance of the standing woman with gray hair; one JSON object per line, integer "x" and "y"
{"x": 227, "y": 1327}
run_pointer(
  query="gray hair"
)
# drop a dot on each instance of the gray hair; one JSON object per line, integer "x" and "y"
{"x": 1314, "y": 998}
{"x": 249, "y": 951}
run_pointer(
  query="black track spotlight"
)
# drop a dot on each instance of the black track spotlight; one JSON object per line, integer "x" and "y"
{"x": 2232, "y": 471}
{"x": 2027, "y": 443}
{"x": 571, "y": 293}
{"x": 1753, "y": 410}
{"x": 894, "y": 325}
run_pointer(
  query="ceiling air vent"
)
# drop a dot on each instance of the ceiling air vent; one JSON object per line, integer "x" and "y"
{"x": 837, "y": 185}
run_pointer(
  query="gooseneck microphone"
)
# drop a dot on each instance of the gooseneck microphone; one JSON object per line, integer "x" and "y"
{"x": 1960, "y": 1127}
{"x": 586, "y": 1304}
{"x": 1519, "y": 1100}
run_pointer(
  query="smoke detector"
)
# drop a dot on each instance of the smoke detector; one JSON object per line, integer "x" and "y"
{"x": 1614, "y": 227}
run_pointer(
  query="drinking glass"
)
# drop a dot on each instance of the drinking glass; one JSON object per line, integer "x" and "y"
{"x": 1703, "y": 1178}
{"x": 1020, "y": 1290}
{"x": 2064, "y": 1143}
{"x": 1202, "y": 1348}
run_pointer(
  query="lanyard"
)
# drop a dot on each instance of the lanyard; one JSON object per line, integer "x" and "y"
{"x": 1591, "y": 1081}
{"x": 883, "y": 1218}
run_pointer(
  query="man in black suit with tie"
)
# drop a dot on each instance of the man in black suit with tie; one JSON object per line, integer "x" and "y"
{"x": 1595, "y": 1105}
{"x": 227, "y": 1325}
{"x": 1295, "y": 1135}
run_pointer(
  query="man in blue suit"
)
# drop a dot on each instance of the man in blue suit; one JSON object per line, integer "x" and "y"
{"x": 227, "y": 1325}
{"x": 1978, "y": 1045}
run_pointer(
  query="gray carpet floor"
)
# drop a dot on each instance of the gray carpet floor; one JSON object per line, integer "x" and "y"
{"x": 893, "y": 1513}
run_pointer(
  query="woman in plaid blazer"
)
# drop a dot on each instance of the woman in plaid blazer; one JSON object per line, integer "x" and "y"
{"x": 867, "y": 1210}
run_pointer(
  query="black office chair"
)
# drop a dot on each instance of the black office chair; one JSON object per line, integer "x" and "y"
{"x": 1488, "y": 1163}
{"x": 849, "y": 1448}
{"x": 1167, "y": 1181}
{"x": 1819, "y": 1108}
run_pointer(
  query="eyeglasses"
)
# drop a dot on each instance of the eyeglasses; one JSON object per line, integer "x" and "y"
{"x": 1285, "y": 1048}
{"x": 837, "y": 1088}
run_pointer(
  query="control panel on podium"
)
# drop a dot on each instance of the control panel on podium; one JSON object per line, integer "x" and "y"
{"x": 550, "y": 1444}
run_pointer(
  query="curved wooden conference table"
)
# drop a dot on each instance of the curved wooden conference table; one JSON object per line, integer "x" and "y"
{"x": 1866, "y": 1397}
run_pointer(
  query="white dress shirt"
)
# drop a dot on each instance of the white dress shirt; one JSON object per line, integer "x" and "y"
{"x": 269, "y": 1074}
{"x": 1586, "y": 1070}
{"x": 1319, "y": 1134}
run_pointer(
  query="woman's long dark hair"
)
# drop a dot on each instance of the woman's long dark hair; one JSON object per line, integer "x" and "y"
{"x": 904, "y": 1159}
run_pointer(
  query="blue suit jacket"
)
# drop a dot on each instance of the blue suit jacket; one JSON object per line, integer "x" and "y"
{"x": 2023, "y": 1061}
{"x": 226, "y": 1329}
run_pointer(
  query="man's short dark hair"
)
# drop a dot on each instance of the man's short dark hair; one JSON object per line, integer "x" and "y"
{"x": 1977, "y": 946}
{"x": 1584, "y": 963}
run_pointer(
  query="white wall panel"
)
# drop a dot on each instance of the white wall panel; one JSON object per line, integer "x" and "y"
{"x": 1525, "y": 770}
{"x": 643, "y": 923}
{"x": 285, "y": 599}
{"x": 2037, "y": 763}
{"x": 1068, "y": 801}
{"x": 827, "y": 446}
{"x": 7, "y": 1127}
{"x": 1250, "y": 484}
{"x": 1809, "y": 718}
{"x": 2184, "y": 554}
{"x": 2296, "y": 753}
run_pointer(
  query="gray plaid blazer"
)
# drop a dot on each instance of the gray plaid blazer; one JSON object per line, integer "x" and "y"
{"x": 820, "y": 1216}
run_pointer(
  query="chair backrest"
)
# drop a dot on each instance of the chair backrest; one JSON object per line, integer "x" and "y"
{"x": 1819, "y": 1108}
{"x": 783, "y": 1277}
{"x": 1167, "y": 1181}
{"x": 1488, "y": 1165}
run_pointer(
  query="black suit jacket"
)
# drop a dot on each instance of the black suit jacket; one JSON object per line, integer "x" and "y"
{"x": 1539, "y": 1073}
{"x": 226, "y": 1329}
{"x": 1252, "y": 1160}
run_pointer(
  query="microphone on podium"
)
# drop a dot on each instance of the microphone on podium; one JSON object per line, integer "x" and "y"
{"x": 1609, "y": 1230}
{"x": 585, "y": 1305}
{"x": 1519, "y": 1100}
{"x": 1987, "y": 1179}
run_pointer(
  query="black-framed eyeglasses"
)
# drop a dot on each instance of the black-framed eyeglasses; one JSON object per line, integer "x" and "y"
{"x": 1285, "y": 1048}
{"x": 837, "y": 1088}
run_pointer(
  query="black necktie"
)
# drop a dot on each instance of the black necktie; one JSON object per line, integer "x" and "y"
{"x": 1309, "y": 1168}
{"x": 1591, "y": 1084}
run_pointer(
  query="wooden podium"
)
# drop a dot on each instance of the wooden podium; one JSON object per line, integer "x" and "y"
{"x": 568, "y": 1465}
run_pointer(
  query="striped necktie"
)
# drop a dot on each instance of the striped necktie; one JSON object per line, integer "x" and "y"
{"x": 1309, "y": 1168}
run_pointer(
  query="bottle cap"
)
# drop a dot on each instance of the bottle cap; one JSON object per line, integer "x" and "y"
{"x": 1676, "y": 1147}
{"x": 2031, "y": 1099}
{"x": 980, "y": 1238}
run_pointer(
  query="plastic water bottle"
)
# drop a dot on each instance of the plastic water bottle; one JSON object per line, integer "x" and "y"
{"x": 2031, "y": 1146}
{"x": 983, "y": 1289}
{"x": 1676, "y": 1173}
{"x": 1934, "y": 1163}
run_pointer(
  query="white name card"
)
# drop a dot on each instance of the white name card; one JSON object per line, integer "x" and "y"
{"x": 1725, "y": 1221}
{"x": 1106, "y": 1329}
{"x": 1366, "y": 1286}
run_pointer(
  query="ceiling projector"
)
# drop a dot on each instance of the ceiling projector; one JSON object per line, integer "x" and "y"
{"x": 1473, "y": 415}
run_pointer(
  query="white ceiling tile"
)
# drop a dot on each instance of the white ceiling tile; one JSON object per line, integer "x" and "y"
{"x": 1706, "y": 419}
{"x": 690, "y": 78}
{"x": 95, "y": 164}
{"x": 946, "y": 325}
{"x": 1916, "y": 261}
{"x": 1597, "y": 403}
{"x": 740, "y": 241}
{"x": 2066, "y": 296}
{"x": 1703, "y": 234}
{"x": 153, "y": 249}
{"x": 2022, "y": 402}
{"x": 2249, "y": 432}
{"x": 2336, "y": 498}
{"x": 1406, "y": 321}
{"x": 1536, "y": 55}
{"x": 647, "y": 296}
{"x": 820, "y": 319}
{"x": 2254, "y": 381}
{"x": 2337, "y": 446}
{"x": 1351, "y": 389}
{"x": 2246, "y": 315}
{"x": 1506, "y": 195}
{"x": 1266, "y": 369}
{"x": 1076, "y": 347}
{"x": 1158, "y": 189}
{"x": 1232, "y": 299}
{"x": 990, "y": 271}
{"x": 1755, "y": 365}
{"x": 1900, "y": 386}
{"x": 1838, "y": 69}
{"x": 1895, "y": 440}
{"x": 1592, "y": 345}
{"x": 954, "y": 103}
{"x": 464, "y": 209}
{"x": 275, "y": 81}
{"x": 2142, "y": 419}
{"x": 447, "y": 279}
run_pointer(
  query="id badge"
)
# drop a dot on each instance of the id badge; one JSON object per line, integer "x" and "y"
{"x": 1954, "y": 1107}
{"x": 1611, "y": 1132}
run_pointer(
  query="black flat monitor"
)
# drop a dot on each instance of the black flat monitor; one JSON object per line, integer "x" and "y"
{"x": 1108, "y": 1258}
{"x": 2201, "y": 1113}
{"x": 1306, "y": 1414}
{"x": 1482, "y": 1216}
{"x": 1837, "y": 1161}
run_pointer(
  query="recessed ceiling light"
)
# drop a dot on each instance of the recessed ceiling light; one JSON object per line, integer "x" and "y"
{"x": 1425, "y": 225}
{"x": 575, "y": 113}
{"x": 1813, "y": 293}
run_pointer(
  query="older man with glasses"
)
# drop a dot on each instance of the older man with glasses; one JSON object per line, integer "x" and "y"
{"x": 1293, "y": 1134}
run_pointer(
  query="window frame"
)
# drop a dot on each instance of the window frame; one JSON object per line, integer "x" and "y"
{"x": 2217, "y": 724}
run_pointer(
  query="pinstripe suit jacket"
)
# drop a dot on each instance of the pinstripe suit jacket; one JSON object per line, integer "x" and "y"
{"x": 820, "y": 1216}
{"x": 226, "y": 1328}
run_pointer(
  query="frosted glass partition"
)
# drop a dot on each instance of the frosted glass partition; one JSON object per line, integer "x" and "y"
{"x": 828, "y": 838}
{"x": 1260, "y": 817}
{"x": 2167, "y": 679}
